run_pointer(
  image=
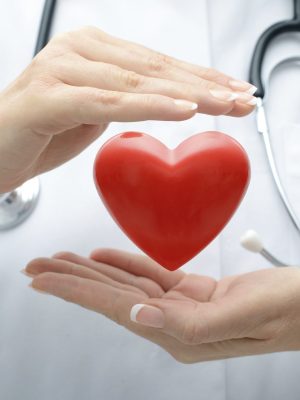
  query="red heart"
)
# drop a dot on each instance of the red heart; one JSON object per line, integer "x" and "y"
{"x": 171, "y": 203}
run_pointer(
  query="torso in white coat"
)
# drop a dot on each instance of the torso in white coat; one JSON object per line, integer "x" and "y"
{"x": 51, "y": 350}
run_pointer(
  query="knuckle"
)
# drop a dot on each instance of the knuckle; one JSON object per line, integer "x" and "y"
{"x": 157, "y": 62}
{"x": 103, "y": 97}
{"x": 107, "y": 98}
{"x": 91, "y": 30}
{"x": 88, "y": 29}
{"x": 107, "y": 101}
{"x": 66, "y": 41}
{"x": 149, "y": 101}
{"x": 65, "y": 38}
{"x": 62, "y": 64}
{"x": 59, "y": 48}
{"x": 131, "y": 79}
{"x": 209, "y": 85}
{"x": 209, "y": 73}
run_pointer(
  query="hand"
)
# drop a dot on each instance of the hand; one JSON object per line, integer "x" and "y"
{"x": 193, "y": 317}
{"x": 85, "y": 79}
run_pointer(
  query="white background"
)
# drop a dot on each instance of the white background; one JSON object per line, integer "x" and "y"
{"x": 54, "y": 350}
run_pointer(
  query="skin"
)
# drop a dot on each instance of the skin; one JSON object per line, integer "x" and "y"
{"x": 203, "y": 319}
{"x": 83, "y": 80}
{"x": 63, "y": 101}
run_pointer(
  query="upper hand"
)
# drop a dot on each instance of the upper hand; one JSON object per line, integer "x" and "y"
{"x": 193, "y": 317}
{"x": 83, "y": 80}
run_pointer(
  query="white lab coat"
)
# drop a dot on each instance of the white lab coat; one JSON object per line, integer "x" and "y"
{"x": 50, "y": 349}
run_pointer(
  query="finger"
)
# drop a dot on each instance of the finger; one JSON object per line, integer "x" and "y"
{"x": 241, "y": 109}
{"x": 73, "y": 106}
{"x": 42, "y": 265}
{"x": 150, "y": 287}
{"x": 148, "y": 63}
{"x": 115, "y": 303}
{"x": 138, "y": 265}
{"x": 97, "y": 296}
{"x": 111, "y": 77}
{"x": 196, "y": 323}
{"x": 154, "y": 66}
{"x": 157, "y": 58}
{"x": 100, "y": 297}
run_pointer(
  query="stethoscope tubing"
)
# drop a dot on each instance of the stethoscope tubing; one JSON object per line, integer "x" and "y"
{"x": 255, "y": 77}
{"x": 45, "y": 25}
{"x": 264, "y": 41}
{"x": 263, "y": 129}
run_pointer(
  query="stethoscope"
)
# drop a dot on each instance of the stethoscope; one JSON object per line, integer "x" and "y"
{"x": 251, "y": 240}
{"x": 16, "y": 206}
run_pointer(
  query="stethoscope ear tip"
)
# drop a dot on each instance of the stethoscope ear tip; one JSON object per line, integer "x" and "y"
{"x": 251, "y": 241}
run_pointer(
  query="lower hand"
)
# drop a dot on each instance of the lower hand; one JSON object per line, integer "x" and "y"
{"x": 195, "y": 318}
{"x": 83, "y": 80}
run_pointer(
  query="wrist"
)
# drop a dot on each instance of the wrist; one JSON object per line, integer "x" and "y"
{"x": 290, "y": 320}
{"x": 11, "y": 175}
{"x": 19, "y": 148}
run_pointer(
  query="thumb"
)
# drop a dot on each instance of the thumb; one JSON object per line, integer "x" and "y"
{"x": 192, "y": 322}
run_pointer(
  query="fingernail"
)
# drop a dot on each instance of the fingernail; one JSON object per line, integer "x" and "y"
{"x": 24, "y": 272}
{"x": 147, "y": 315}
{"x": 246, "y": 99}
{"x": 243, "y": 86}
{"x": 223, "y": 95}
{"x": 252, "y": 90}
{"x": 186, "y": 105}
{"x": 37, "y": 290}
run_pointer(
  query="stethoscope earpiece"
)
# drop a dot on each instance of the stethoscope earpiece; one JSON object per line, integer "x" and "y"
{"x": 251, "y": 241}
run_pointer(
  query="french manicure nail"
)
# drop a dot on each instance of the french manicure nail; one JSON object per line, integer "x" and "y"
{"x": 252, "y": 102}
{"x": 246, "y": 99}
{"x": 243, "y": 86}
{"x": 252, "y": 90}
{"x": 186, "y": 105}
{"x": 223, "y": 95}
{"x": 147, "y": 315}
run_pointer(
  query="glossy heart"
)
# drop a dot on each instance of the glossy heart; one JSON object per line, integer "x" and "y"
{"x": 171, "y": 203}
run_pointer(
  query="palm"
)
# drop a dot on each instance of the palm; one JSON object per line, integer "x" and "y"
{"x": 111, "y": 282}
{"x": 118, "y": 271}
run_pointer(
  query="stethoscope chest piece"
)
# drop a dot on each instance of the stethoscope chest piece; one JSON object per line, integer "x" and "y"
{"x": 16, "y": 206}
